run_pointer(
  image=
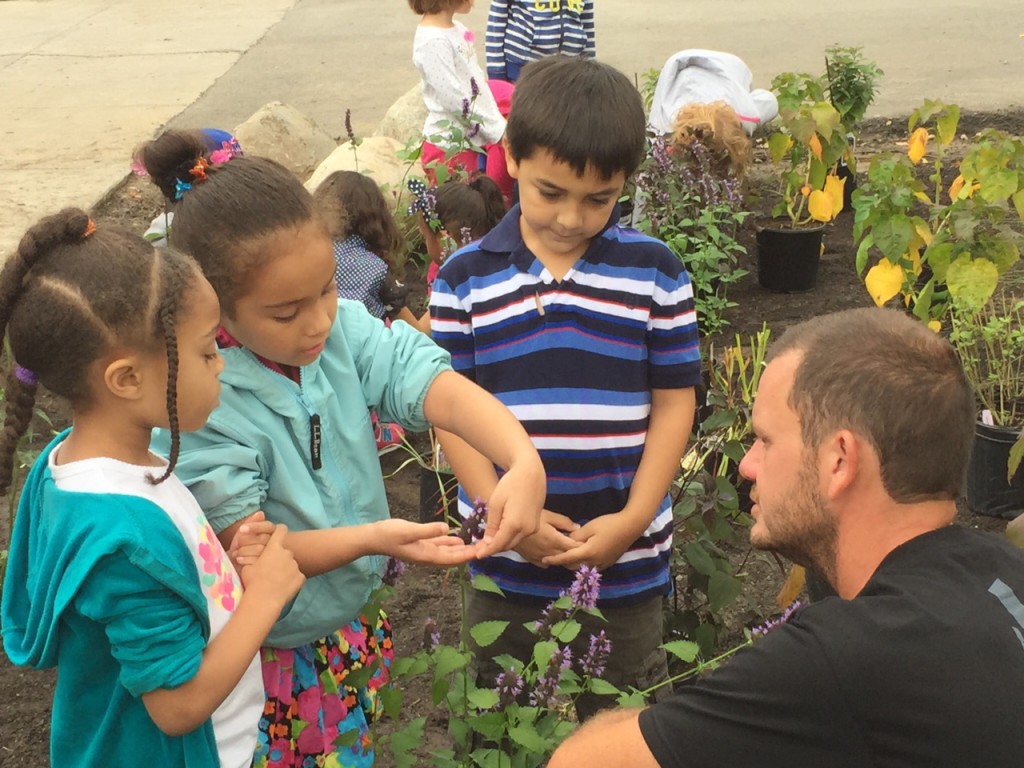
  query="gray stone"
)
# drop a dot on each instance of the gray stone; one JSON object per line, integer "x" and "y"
{"x": 284, "y": 134}
{"x": 404, "y": 119}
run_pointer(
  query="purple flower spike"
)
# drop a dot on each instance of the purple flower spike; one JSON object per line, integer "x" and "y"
{"x": 596, "y": 658}
{"x": 772, "y": 624}
{"x": 431, "y": 635}
{"x": 585, "y": 587}
{"x": 508, "y": 685}
{"x": 472, "y": 528}
{"x": 393, "y": 571}
{"x": 473, "y": 87}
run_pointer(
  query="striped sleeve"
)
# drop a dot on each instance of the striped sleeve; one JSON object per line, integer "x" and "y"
{"x": 672, "y": 338}
{"x": 587, "y": 18}
{"x": 497, "y": 25}
{"x": 450, "y": 327}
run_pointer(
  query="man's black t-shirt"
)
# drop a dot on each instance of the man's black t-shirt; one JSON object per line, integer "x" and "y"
{"x": 923, "y": 669}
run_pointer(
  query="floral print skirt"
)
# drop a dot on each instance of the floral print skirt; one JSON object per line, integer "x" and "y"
{"x": 312, "y": 718}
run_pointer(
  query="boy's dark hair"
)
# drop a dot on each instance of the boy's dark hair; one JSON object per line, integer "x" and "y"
{"x": 226, "y": 217}
{"x": 351, "y": 203}
{"x": 469, "y": 210}
{"x": 422, "y": 7}
{"x": 581, "y": 111}
{"x": 855, "y": 372}
{"x": 71, "y": 294}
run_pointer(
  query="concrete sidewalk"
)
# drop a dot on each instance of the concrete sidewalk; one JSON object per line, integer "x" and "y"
{"x": 83, "y": 81}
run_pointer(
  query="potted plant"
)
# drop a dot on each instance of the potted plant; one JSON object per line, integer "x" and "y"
{"x": 438, "y": 485}
{"x": 852, "y": 80}
{"x": 805, "y": 149}
{"x": 990, "y": 342}
{"x": 940, "y": 241}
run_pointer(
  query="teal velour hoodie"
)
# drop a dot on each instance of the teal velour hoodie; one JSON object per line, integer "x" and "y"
{"x": 103, "y": 587}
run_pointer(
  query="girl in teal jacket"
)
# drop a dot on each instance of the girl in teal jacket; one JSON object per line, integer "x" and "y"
{"x": 292, "y": 438}
{"x": 114, "y": 576}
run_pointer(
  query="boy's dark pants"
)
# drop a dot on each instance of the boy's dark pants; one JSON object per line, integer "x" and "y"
{"x": 635, "y": 632}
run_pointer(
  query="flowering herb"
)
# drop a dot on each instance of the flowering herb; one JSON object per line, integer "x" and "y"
{"x": 774, "y": 623}
{"x": 472, "y": 528}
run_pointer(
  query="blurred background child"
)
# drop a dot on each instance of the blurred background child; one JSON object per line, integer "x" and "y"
{"x": 454, "y": 90}
{"x": 520, "y": 31}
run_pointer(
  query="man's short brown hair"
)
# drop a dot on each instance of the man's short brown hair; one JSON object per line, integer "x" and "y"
{"x": 890, "y": 379}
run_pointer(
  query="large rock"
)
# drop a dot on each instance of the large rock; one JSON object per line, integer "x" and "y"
{"x": 404, "y": 119}
{"x": 284, "y": 134}
{"x": 1015, "y": 531}
{"x": 377, "y": 157}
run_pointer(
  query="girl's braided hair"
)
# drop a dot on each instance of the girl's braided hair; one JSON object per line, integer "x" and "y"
{"x": 72, "y": 293}
{"x": 228, "y": 213}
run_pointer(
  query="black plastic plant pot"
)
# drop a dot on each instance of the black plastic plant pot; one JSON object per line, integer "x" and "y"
{"x": 438, "y": 494}
{"x": 843, "y": 171}
{"x": 988, "y": 493}
{"x": 788, "y": 259}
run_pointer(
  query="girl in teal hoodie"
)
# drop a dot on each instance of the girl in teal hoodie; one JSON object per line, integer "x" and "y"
{"x": 114, "y": 575}
{"x": 292, "y": 439}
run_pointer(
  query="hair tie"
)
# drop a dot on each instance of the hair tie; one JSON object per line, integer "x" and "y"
{"x": 228, "y": 150}
{"x": 90, "y": 228}
{"x": 197, "y": 174}
{"x": 25, "y": 376}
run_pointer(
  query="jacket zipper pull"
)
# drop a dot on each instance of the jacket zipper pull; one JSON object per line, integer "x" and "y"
{"x": 314, "y": 441}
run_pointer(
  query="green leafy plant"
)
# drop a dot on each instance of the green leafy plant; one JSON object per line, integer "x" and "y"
{"x": 707, "y": 505}
{"x": 851, "y": 81}
{"x": 990, "y": 342}
{"x": 697, "y": 213}
{"x": 807, "y": 145}
{"x": 940, "y": 245}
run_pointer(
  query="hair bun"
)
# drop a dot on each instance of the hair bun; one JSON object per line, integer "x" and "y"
{"x": 68, "y": 226}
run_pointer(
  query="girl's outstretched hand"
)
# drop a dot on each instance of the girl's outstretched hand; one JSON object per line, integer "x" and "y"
{"x": 274, "y": 576}
{"x": 423, "y": 543}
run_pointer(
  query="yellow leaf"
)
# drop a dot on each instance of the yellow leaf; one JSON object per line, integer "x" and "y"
{"x": 914, "y": 257}
{"x": 935, "y": 325}
{"x": 821, "y": 206}
{"x": 791, "y": 590}
{"x": 922, "y": 197}
{"x": 815, "y": 145}
{"x": 834, "y": 187}
{"x": 883, "y": 281}
{"x": 917, "y": 145}
{"x": 955, "y": 187}
{"x": 924, "y": 232}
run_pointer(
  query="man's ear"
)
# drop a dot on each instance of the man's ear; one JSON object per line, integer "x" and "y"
{"x": 842, "y": 457}
{"x": 510, "y": 163}
{"x": 123, "y": 377}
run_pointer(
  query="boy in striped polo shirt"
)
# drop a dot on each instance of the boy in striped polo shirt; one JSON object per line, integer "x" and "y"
{"x": 587, "y": 332}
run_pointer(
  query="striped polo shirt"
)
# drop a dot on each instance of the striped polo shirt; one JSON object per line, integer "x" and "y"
{"x": 524, "y": 30}
{"x": 575, "y": 360}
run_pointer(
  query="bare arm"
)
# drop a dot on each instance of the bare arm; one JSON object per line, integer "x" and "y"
{"x": 611, "y": 739}
{"x": 270, "y": 583}
{"x": 457, "y": 405}
{"x": 607, "y": 537}
{"x": 320, "y": 551}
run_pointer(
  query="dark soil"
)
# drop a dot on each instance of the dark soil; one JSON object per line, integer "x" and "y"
{"x": 25, "y": 695}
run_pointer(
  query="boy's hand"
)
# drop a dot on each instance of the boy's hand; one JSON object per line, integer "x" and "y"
{"x": 602, "y": 542}
{"x": 424, "y": 543}
{"x": 552, "y": 538}
{"x": 514, "y": 509}
{"x": 249, "y": 540}
{"x": 274, "y": 576}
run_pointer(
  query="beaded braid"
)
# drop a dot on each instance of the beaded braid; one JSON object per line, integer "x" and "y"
{"x": 67, "y": 226}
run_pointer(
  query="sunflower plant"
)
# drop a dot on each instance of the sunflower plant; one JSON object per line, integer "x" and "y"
{"x": 806, "y": 149}
{"x": 937, "y": 245}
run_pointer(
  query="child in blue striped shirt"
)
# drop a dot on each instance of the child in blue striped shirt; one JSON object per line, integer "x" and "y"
{"x": 520, "y": 31}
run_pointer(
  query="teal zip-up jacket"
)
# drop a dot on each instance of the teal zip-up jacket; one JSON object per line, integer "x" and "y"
{"x": 305, "y": 454}
{"x": 103, "y": 587}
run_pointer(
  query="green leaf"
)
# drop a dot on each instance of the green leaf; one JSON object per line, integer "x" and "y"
{"x": 391, "y": 699}
{"x": 698, "y": 557}
{"x": 565, "y": 631}
{"x": 543, "y": 652}
{"x": 946, "y": 124}
{"x": 778, "y": 145}
{"x": 483, "y": 698}
{"x": 998, "y": 185}
{"x": 486, "y": 632}
{"x": 683, "y": 650}
{"x": 447, "y": 660}
{"x": 405, "y": 740}
{"x": 407, "y": 666}
{"x": 487, "y": 758}
{"x": 439, "y": 689}
{"x": 632, "y": 700}
{"x": 862, "y": 253}
{"x": 347, "y": 739}
{"x": 603, "y": 687}
{"x": 892, "y": 236}
{"x": 723, "y": 589}
{"x": 971, "y": 281}
{"x": 485, "y": 584}
{"x": 358, "y": 678}
{"x": 1018, "y": 203}
{"x": 529, "y": 739}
